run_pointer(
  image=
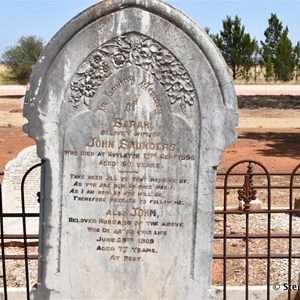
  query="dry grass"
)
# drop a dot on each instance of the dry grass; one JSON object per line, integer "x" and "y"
{"x": 260, "y": 79}
{"x": 2, "y": 73}
{"x": 3, "y": 79}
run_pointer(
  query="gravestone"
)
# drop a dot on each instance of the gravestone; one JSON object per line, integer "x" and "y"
{"x": 131, "y": 106}
{"x": 11, "y": 189}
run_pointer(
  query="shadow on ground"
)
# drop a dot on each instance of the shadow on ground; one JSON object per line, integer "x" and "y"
{"x": 278, "y": 102}
{"x": 284, "y": 144}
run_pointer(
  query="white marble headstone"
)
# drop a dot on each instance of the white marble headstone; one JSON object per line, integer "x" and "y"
{"x": 11, "y": 191}
{"x": 131, "y": 105}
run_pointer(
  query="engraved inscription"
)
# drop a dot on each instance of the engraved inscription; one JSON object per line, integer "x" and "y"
{"x": 130, "y": 167}
{"x": 133, "y": 202}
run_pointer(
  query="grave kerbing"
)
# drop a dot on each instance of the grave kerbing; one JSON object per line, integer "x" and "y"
{"x": 131, "y": 105}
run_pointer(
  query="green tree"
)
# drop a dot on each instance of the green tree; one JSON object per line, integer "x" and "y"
{"x": 284, "y": 61}
{"x": 272, "y": 36}
{"x": 256, "y": 60}
{"x": 236, "y": 46}
{"x": 211, "y": 35}
{"x": 207, "y": 30}
{"x": 297, "y": 60}
{"x": 248, "y": 51}
{"x": 21, "y": 58}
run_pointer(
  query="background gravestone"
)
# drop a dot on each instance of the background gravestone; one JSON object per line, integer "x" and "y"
{"x": 11, "y": 189}
{"x": 131, "y": 106}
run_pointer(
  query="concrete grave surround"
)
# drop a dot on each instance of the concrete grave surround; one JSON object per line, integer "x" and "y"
{"x": 131, "y": 106}
{"x": 14, "y": 172}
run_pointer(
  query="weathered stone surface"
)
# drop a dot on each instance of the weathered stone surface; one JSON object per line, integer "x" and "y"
{"x": 131, "y": 106}
{"x": 11, "y": 191}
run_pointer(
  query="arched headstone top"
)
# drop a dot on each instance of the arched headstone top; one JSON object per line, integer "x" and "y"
{"x": 114, "y": 11}
{"x": 131, "y": 105}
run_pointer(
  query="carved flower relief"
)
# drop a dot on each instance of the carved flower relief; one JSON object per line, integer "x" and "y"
{"x": 174, "y": 92}
{"x": 177, "y": 69}
{"x": 158, "y": 73}
{"x": 150, "y": 56}
{"x": 96, "y": 60}
{"x": 92, "y": 74}
{"x": 75, "y": 86}
{"x": 168, "y": 80}
{"x": 88, "y": 87}
{"x": 119, "y": 61}
{"x": 120, "y": 51}
{"x": 83, "y": 91}
{"x": 162, "y": 57}
{"x": 189, "y": 98}
{"x": 75, "y": 97}
{"x": 132, "y": 49}
{"x": 140, "y": 58}
{"x": 101, "y": 73}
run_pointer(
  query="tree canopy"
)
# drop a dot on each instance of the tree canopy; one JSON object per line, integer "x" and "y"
{"x": 272, "y": 36}
{"x": 284, "y": 61}
{"x": 236, "y": 46}
{"x": 21, "y": 58}
{"x": 277, "y": 59}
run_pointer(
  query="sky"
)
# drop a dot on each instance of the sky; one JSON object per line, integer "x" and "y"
{"x": 44, "y": 18}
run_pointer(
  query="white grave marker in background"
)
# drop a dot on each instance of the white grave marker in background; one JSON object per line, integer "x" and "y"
{"x": 11, "y": 190}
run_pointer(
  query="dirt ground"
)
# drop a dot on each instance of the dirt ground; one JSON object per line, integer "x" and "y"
{"x": 268, "y": 131}
{"x": 12, "y": 137}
